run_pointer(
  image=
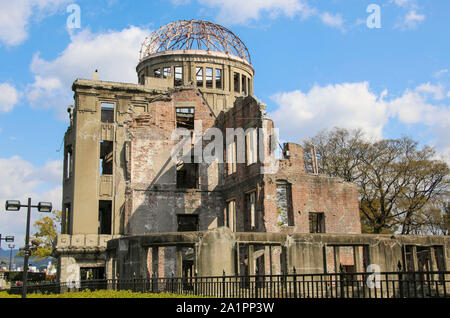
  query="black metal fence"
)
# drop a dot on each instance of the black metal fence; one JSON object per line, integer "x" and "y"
{"x": 336, "y": 285}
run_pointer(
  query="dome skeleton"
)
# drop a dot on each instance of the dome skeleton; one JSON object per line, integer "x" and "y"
{"x": 194, "y": 35}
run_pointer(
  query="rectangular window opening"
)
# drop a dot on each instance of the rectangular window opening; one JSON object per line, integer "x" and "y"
{"x": 244, "y": 85}
{"x": 68, "y": 163}
{"x": 187, "y": 174}
{"x": 209, "y": 77}
{"x": 187, "y": 222}
{"x": 106, "y": 157}
{"x": 167, "y": 72}
{"x": 107, "y": 112}
{"x": 178, "y": 78}
{"x": 250, "y": 199}
{"x": 66, "y": 219}
{"x": 236, "y": 81}
{"x": 199, "y": 76}
{"x": 185, "y": 117}
{"x": 218, "y": 79}
{"x": 104, "y": 217}
{"x": 316, "y": 222}
{"x": 157, "y": 73}
{"x": 284, "y": 204}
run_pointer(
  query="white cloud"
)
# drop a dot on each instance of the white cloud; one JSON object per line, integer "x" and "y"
{"x": 333, "y": 20}
{"x": 440, "y": 73}
{"x": 436, "y": 90}
{"x": 15, "y": 17}
{"x": 402, "y": 3}
{"x": 115, "y": 54}
{"x": 410, "y": 21}
{"x": 9, "y": 97}
{"x": 241, "y": 12}
{"x": 23, "y": 180}
{"x": 354, "y": 105}
{"x": 349, "y": 105}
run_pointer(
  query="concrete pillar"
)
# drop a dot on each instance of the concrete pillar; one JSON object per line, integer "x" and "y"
{"x": 357, "y": 258}
{"x": 337, "y": 259}
{"x": 216, "y": 253}
{"x": 143, "y": 264}
{"x": 179, "y": 262}
{"x": 251, "y": 260}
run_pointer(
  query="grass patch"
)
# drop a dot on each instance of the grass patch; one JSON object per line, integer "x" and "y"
{"x": 100, "y": 294}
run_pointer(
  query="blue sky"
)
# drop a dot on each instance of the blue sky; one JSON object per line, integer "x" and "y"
{"x": 318, "y": 65}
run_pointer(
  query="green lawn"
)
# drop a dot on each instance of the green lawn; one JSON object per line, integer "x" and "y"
{"x": 99, "y": 294}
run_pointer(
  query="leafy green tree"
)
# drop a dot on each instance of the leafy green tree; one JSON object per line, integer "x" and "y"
{"x": 47, "y": 230}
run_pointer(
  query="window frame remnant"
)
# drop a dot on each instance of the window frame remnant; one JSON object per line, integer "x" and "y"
{"x": 251, "y": 141}
{"x": 178, "y": 76}
{"x": 316, "y": 222}
{"x": 167, "y": 72}
{"x": 218, "y": 82}
{"x": 199, "y": 77}
{"x": 209, "y": 77}
{"x": 230, "y": 215}
{"x": 250, "y": 206}
{"x": 231, "y": 157}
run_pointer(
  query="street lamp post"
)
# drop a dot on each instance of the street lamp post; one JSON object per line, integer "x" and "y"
{"x": 7, "y": 239}
{"x": 14, "y": 205}
{"x": 11, "y": 247}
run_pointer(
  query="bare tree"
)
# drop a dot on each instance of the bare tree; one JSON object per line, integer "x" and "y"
{"x": 397, "y": 179}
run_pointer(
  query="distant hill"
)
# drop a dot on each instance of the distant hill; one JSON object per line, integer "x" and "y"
{"x": 4, "y": 257}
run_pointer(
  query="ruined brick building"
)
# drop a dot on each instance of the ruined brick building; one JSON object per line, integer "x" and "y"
{"x": 130, "y": 209}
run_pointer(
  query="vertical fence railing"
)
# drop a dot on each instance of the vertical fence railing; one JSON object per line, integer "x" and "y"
{"x": 400, "y": 284}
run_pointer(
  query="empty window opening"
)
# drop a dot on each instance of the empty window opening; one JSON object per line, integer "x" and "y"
{"x": 68, "y": 163}
{"x": 185, "y": 117}
{"x": 199, "y": 76}
{"x": 187, "y": 222}
{"x": 236, "y": 82}
{"x": 244, "y": 85}
{"x": 66, "y": 219}
{"x": 209, "y": 77}
{"x": 187, "y": 175}
{"x": 248, "y": 86}
{"x": 178, "y": 78}
{"x": 157, "y": 73}
{"x": 104, "y": 217}
{"x": 92, "y": 273}
{"x": 218, "y": 78}
{"x": 106, "y": 157}
{"x": 251, "y": 140}
{"x": 230, "y": 215}
{"x": 284, "y": 204}
{"x": 250, "y": 199}
{"x": 316, "y": 222}
{"x": 167, "y": 72}
{"x": 107, "y": 113}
